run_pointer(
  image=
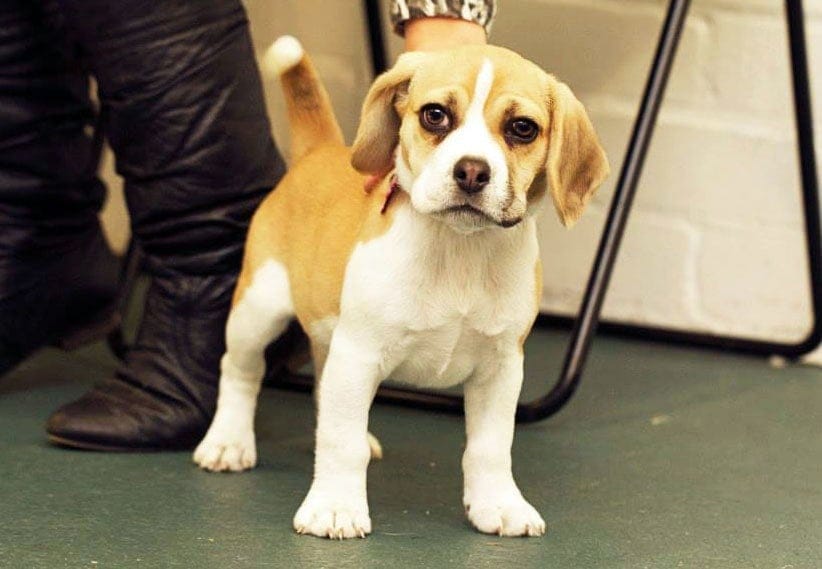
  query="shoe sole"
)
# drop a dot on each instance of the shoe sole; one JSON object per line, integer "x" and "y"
{"x": 83, "y": 445}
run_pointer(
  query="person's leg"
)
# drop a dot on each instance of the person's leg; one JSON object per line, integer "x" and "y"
{"x": 56, "y": 271}
{"x": 186, "y": 120}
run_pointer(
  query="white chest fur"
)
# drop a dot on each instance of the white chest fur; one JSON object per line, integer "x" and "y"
{"x": 436, "y": 304}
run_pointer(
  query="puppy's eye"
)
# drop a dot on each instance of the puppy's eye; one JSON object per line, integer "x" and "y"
{"x": 435, "y": 118}
{"x": 521, "y": 130}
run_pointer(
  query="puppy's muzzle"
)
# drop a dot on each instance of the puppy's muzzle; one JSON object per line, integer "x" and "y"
{"x": 472, "y": 174}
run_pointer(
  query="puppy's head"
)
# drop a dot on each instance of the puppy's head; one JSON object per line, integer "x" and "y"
{"x": 481, "y": 134}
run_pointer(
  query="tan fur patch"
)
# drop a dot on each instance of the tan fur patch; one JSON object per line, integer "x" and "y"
{"x": 311, "y": 224}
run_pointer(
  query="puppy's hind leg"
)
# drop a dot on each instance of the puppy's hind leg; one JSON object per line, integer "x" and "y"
{"x": 260, "y": 313}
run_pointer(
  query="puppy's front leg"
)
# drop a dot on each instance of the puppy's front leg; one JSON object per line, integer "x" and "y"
{"x": 492, "y": 500}
{"x": 336, "y": 505}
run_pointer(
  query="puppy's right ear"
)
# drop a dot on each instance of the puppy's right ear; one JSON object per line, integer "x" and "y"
{"x": 379, "y": 130}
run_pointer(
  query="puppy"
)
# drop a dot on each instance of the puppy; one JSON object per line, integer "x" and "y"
{"x": 433, "y": 278}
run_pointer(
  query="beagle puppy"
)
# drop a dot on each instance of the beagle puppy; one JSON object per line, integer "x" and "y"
{"x": 432, "y": 278}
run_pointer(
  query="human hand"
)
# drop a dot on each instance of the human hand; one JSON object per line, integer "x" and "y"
{"x": 431, "y": 34}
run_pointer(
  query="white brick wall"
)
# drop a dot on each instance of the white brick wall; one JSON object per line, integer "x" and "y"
{"x": 715, "y": 240}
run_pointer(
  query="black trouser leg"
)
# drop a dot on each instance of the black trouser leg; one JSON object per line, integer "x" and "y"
{"x": 185, "y": 116}
{"x": 54, "y": 264}
{"x": 186, "y": 119}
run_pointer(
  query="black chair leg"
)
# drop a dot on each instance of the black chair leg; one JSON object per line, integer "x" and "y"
{"x": 810, "y": 197}
{"x": 807, "y": 164}
{"x": 588, "y": 317}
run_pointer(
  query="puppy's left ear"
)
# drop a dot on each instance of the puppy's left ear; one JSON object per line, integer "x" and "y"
{"x": 379, "y": 129}
{"x": 577, "y": 164}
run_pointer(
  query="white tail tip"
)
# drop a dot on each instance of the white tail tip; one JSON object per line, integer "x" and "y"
{"x": 283, "y": 54}
{"x": 375, "y": 446}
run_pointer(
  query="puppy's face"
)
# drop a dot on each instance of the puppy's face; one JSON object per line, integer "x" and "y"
{"x": 481, "y": 134}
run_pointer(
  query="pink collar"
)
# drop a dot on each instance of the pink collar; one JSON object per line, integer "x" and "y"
{"x": 393, "y": 188}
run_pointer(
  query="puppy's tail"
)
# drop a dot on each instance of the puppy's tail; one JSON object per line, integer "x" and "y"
{"x": 310, "y": 117}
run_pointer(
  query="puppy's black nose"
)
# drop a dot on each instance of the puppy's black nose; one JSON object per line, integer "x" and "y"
{"x": 472, "y": 174}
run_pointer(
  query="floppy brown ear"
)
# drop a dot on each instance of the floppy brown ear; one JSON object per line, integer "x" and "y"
{"x": 378, "y": 132}
{"x": 577, "y": 164}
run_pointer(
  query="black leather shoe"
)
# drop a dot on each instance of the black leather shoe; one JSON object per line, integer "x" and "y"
{"x": 164, "y": 394}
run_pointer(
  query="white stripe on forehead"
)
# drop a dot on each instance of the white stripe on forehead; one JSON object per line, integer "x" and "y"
{"x": 482, "y": 88}
{"x": 434, "y": 187}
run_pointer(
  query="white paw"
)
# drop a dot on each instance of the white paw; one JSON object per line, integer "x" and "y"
{"x": 222, "y": 451}
{"x": 337, "y": 516}
{"x": 510, "y": 516}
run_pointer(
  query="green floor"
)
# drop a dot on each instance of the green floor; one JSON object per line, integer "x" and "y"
{"x": 666, "y": 458}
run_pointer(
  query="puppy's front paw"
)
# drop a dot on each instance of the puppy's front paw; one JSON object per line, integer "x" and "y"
{"x": 222, "y": 450}
{"x": 336, "y": 516}
{"x": 510, "y": 516}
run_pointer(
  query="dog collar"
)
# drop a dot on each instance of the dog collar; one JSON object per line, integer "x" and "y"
{"x": 393, "y": 188}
